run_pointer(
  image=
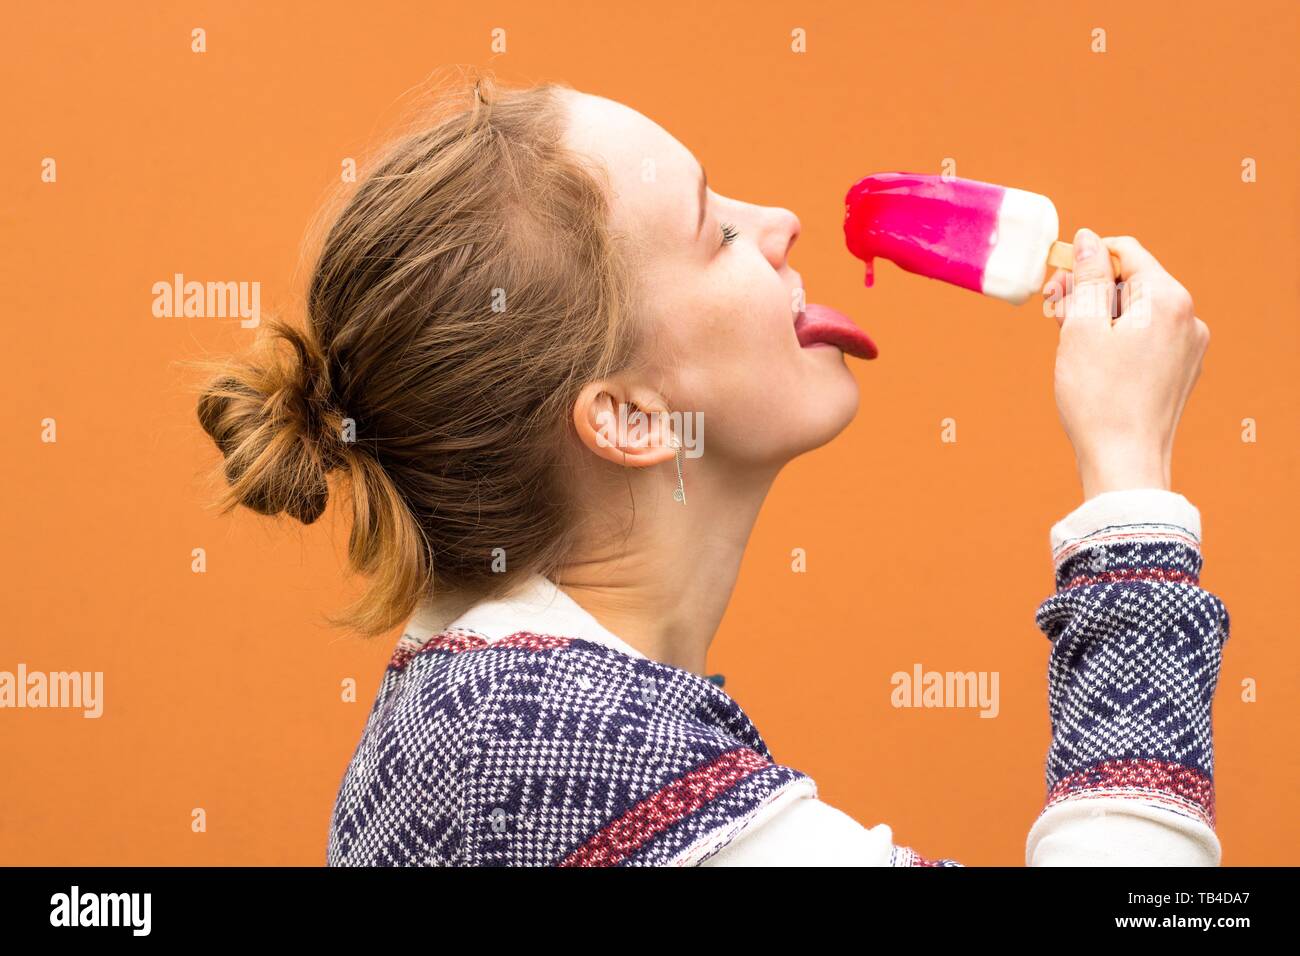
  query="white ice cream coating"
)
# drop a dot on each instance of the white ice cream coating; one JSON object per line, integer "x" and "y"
{"x": 1017, "y": 266}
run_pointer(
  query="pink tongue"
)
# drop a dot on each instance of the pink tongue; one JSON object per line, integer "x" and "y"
{"x": 821, "y": 323}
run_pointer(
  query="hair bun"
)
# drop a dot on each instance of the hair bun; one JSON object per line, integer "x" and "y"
{"x": 272, "y": 420}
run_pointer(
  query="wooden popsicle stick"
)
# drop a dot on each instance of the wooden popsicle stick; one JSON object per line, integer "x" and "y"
{"x": 1061, "y": 256}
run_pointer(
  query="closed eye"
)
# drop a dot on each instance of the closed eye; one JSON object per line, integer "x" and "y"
{"x": 729, "y": 233}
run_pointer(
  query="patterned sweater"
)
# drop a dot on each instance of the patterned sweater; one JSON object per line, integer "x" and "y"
{"x": 522, "y": 733}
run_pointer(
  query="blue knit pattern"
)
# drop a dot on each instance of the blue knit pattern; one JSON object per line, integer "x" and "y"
{"x": 1111, "y": 553}
{"x": 539, "y": 751}
{"x": 1136, "y": 651}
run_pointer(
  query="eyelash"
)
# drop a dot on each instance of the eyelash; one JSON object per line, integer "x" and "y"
{"x": 729, "y": 233}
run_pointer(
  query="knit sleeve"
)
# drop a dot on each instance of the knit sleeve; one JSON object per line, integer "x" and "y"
{"x": 1135, "y": 657}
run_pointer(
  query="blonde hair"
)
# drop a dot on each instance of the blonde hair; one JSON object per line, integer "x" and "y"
{"x": 462, "y": 297}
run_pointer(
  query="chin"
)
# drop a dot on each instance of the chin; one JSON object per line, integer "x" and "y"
{"x": 830, "y": 406}
{"x": 842, "y": 410}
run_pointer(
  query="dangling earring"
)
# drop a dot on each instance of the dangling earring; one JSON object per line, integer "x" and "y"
{"x": 679, "y": 494}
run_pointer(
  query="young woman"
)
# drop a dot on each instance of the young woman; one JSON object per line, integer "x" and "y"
{"x": 494, "y": 295}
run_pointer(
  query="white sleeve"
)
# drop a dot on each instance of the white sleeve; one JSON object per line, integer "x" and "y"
{"x": 1107, "y": 832}
{"x": 1140, "y": 507}
{"x": 808, "y": 832}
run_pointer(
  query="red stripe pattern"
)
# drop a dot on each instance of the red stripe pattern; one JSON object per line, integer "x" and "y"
{"x": 1133, "y": 574}
{"x": 1175, "y": 787}
{"x": 615, "y": 842}
{"x": 458, "y": 642}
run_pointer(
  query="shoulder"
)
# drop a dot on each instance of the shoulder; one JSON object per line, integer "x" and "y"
{"x": 585, "y": 756}
{"x": 400, "y": 800}
{"x": 537, "y": 750}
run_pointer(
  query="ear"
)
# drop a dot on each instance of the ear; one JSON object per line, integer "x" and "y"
{"x": 627, "y": 425}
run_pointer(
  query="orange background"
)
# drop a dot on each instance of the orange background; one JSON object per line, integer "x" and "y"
{"x": 222, "y": 690}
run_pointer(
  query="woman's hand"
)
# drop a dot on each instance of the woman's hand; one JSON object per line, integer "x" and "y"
{"x": 1121, "y": 386}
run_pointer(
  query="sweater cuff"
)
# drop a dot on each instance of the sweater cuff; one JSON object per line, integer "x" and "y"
{"x": 1144, "y": 507}
{"x": 1124, "y": 830}
{"x": 1143, "y": 534}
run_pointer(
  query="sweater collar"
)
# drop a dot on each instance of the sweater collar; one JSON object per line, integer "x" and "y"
{"x": 537, "y": 605}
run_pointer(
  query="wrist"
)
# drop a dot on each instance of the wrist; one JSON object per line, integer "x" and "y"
{"x": 1124, "y": 472}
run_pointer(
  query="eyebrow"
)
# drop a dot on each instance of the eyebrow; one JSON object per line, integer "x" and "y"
{"x": 704, "y": 187}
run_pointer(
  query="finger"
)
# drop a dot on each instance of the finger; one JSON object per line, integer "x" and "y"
{"x": 1094, "y": 283}
{"x": 1132, "y": 257}
{"x": 1055, "y": 290}
{"x": 1056, "y": 282}
{"x": 1143, "y": 274}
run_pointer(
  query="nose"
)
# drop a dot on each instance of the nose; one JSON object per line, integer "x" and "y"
{"x": 779, "y": 235}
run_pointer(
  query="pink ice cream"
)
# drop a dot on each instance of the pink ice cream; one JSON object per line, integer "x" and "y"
{"x": 992, "y": 239}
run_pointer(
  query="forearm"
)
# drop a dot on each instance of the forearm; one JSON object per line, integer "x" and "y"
{"x": 1136, "y": 650}
{"x": 1136, "y": 647}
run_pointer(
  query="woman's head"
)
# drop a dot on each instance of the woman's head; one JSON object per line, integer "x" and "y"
{"x": 715, "y": 296}
{"x": 492, "y": 284}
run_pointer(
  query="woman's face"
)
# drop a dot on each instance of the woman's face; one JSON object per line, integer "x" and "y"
{"x": 719, "y": 294}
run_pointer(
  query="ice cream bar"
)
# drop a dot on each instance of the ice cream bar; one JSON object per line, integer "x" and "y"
{"x": 992, "y": 239}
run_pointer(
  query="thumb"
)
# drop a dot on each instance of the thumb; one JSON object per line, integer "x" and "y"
{"x": 1094, "y": 279}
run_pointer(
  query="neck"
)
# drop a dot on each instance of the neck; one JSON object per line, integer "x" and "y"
{"x": 664, "y": 585}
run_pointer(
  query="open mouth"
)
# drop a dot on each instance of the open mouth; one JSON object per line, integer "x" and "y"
{"x": 822, "y": 325}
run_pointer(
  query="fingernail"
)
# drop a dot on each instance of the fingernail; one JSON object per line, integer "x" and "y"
{"x": 1085, "y": 245}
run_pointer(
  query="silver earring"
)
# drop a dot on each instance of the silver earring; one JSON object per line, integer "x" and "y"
{"x": 679, "y": 493}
